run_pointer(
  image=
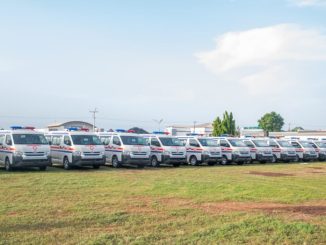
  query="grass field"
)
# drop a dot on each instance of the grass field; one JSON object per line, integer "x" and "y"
{"x": 254, "y": 204}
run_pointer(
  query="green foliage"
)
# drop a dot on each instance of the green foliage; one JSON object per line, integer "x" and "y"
{"x": 296, "y": 129}
{"x": 225, "y": 126}
{"x": 271, "y": 122}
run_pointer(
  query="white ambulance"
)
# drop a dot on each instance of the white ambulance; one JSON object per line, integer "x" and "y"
{"x": 76, "y": 147}
{"x": 320, "y": 147}
{"x": 305, "y": 151}
{"x": 125, "y": 148}
{"x": 282, "y": 150}
{"x": 166, "y": 149}
{"x": 233, "y": 150}
{"x": 24, "y": 147}
{"x": 202, "y": 150}
{"x": 259, "y": 149}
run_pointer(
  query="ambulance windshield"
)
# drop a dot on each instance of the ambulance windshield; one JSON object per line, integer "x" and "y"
{"x": 29, "y": 139}
{"x": 208, "y": 142}
{"x": 86, "y": 140}
{"x": 170, "y": 141}
{"x": 133, "y": 140}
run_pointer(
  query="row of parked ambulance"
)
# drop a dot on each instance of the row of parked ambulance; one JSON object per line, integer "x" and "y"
{"x": 26, "y": 147}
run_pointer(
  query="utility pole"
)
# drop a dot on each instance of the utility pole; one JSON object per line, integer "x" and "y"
{"x": 159, "y": 123}
{"x": 289, "y": 127}
{"x": 94, "y": 117}
{"x": 195, "y": 126}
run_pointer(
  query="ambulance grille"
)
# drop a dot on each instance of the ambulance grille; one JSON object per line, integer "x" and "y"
{"x": 177, "y": 153}
{"x": 91, "y": 153}
{"x": 34, "y": 154}
{"x": 137, "y": 153}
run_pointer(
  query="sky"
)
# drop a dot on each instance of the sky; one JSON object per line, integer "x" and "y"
{"x": 180, "y": 61}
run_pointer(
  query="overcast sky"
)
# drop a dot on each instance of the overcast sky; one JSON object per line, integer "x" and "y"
{"x": 182, "y": 61}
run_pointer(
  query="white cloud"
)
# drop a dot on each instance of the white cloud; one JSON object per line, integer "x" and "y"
{"x": 266, "y": 60}
{"x": 303, "y": 3}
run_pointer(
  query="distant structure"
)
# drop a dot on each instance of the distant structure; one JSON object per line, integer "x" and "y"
{"x": 205, "y": 129}
{"x": 252, "y": 132}
{"x": 70, "y": 124}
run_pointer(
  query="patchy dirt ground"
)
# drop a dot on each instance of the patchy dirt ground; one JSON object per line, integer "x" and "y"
{"x": 270, "y": 174}
{"x": 305, "y": 211}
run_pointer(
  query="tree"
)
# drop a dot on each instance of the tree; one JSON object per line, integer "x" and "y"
{"x": 296, "y": 129}
{"x": 217, "y": 129}
{"x": 271, "y": 122}
{"x": 225, "y": 126}
{"x": 139, "y": 130}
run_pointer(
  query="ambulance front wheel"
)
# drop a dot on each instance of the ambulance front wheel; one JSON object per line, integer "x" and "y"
{"x": 224, "y": 161}
{"x": 8, "y": 166}
{"x": 115, "y": 162}
{"x": 193, "y": 161}
{"x": 66, "y": 164}
{"x": 154, "y": 162}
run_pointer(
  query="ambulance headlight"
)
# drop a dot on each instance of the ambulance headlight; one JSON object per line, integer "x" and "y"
{"x": 127, "y": 153}
{"x": 76, "y": 153}
{"x": 206, "y": 152}
{"x": 102, "y": 153}
{"x": 166, "y": 153}
{"x": 236, "y": 152}
{"x": 19, "y": 153}
{"x": 48, "y": 153}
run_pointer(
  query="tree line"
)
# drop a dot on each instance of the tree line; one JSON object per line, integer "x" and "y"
{"x": 269, "y": 122}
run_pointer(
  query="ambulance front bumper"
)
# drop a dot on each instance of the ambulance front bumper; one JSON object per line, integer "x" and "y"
{"x": 287, "y": 157}
{"x": 137, "y": 161}
{"x": 20, "y": 161}
{"x": 206, "y": 158}
{"x": 80, "y": 161}
{"x": 263, "y": 157}
{"x": 167, "y": 159}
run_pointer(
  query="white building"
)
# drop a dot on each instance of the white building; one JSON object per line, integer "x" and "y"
{"x": 205, "y": 129}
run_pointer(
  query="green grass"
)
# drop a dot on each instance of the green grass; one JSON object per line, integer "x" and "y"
{"x": 163, "y": 206}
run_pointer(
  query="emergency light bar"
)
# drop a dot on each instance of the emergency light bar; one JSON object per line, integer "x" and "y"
{"x": 120, "y": 130}
{"x": 72, "y": 129}
{"x": 20, "y": 127}
{"x": 160, "y": 132}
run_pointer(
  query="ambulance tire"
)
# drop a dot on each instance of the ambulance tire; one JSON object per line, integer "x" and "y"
{"x": 274, "y": 159}
{"x": 240, "y": 163}
{"x": 193, "y": 161}
{"x": 8, "y": 166}
{"x": 154, "y": 162}
{"x": 66, "y": 164}
{"x": 115, "y": 162}
{"x": 211, "y": 163}
{"x": 224, "y": 161}
{"x": 43, "y": 168}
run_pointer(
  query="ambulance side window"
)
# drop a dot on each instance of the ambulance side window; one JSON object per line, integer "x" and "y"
{"x": 193, "y": 143}
{"x": 8, "y": 140}
{"x": 116, "y": 141}
{"x": 106, "y": 140}
{"x": 224, "y": 143}
{"x": 183, "y": 141}
{"x": 273, "y": 145}
{"x": 48, "y": 138}
{"x": 66, "y": 140}
{"x": 295, "y": 144}
{"x": 249, "y": 144}
{"x": 56, "y": 140}
{"x": 2, "y": 138}
{"x": 155, "y": 142}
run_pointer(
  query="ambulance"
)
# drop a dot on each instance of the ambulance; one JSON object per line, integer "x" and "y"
{"x": 202, "y": 150}
{"x": 282, "y": 150}
{"x": 24, "y": 147}
{"x": 259, "y": 149}
{"x": 320, "y": 147}
{"x": 76, "y": 147}
{"x": 125, "y": 148}
{"x": 305, "y": 151}
{"x": 165, "y": 149}
{"x": 233, "y": 150}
